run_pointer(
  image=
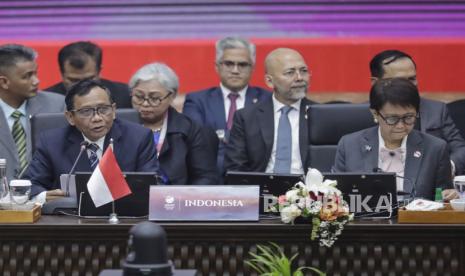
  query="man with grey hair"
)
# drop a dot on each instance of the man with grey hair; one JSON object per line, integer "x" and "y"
{"x": 19, "y": 99}
{"x": 215, "y": 107}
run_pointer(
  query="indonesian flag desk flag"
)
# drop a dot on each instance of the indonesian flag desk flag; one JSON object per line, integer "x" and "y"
{"x": 107, "y": 183}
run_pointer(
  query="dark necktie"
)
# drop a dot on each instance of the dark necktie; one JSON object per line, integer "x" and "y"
{"x": 283, "y": 156}
{"x": 232, "y": 109}
{"x": 19, "y": 136}
{"x": 93, "y": 157}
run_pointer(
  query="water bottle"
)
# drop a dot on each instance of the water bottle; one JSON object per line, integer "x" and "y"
{"x": 4, "y": 187}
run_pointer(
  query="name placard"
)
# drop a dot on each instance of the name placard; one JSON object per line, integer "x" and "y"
{"x": 204, "y": 203}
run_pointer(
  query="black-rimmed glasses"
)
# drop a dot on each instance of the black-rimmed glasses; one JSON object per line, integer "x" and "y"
{"x": 408, "y": 119}
{"x": 153, "y": 101}
{"x": 89, "y": 112}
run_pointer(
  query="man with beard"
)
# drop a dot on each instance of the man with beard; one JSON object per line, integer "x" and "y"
{"x": 272, "y": 136}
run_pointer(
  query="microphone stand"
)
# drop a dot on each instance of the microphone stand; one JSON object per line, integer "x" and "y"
{"x": 67, "y": 202}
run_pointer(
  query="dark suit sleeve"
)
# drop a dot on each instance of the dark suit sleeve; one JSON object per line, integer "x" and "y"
{"x": 193, "y": 109}
{"x": 40, "y": 170}
{"x": 340, "y": 159}
{"x": 443, "y": 171}
{"x": 236, "y": 158}
{"x": 201, "y": 159}
{"x": 147, "y": 154}
{"x": 455, "y": 141}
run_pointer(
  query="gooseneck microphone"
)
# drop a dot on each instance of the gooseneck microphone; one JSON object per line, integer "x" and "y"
{"x": 412, "y": 194}
{"x": 84, "y": 145}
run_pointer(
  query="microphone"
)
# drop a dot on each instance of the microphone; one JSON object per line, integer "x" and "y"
{"x": 414, "y": 190}
{"x": 84, "y": 145}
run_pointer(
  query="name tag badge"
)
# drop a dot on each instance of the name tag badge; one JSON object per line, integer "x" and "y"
{"x": 204, "y": 203}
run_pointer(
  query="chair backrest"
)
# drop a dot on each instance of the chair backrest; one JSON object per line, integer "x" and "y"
{"x": 45, "y": 121}
{"x": 457, "y": 112}
{"x": 328, "y": 123}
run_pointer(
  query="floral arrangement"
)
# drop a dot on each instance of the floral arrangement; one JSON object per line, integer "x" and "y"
{"x": 317, "y": 201}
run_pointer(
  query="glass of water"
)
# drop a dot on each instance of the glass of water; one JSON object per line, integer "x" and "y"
{"x": 20, "y": 190}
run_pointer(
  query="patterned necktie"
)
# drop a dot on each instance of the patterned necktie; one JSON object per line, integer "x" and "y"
{"x": 19, "y": 136}
{"x": 93, "y": 157}
{"x": 283, "y": 157}
{"x": 232, "y": 109}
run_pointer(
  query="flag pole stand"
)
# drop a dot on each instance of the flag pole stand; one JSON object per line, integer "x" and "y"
{"x": 113, "y": 219}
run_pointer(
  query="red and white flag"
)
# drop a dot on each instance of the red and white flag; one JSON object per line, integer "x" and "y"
{"x": 107, "y": 183}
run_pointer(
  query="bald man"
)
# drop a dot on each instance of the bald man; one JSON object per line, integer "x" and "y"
{"x": 272, "y": 136}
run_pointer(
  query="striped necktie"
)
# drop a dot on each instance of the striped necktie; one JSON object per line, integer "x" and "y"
{"x": 19, "y": 136}
{"x": 93, "y": 148}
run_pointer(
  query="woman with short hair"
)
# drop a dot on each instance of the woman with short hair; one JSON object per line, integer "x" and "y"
{"x": 421, "y": 161}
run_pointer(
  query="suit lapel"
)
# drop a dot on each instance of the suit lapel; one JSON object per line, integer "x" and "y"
{"x": 5, "y": 134}
{"x": 72, "y": 150}
{"x": 303, "y": 132}
{"x": 251, "y": 96}
{"x": 266, "y": 125}
{"x": 413, "y": 159}
{"x": 216, "y": 104}
{"x": 369, "y": 148}
{"x": 115, "y": 134}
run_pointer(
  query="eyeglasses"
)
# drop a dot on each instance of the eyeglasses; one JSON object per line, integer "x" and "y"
{"x": 241, "y": 66}
{"x": 89, "y": 112}
{"x": 153, "y": 101}
{"x": 408, "y": 119}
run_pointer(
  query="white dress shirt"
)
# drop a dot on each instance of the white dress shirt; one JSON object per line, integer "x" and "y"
{"x": 240, "y": 101}
{"x": 383, "y": 164}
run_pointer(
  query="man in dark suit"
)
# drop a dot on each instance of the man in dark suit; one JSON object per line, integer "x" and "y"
{"x": 91, "y": 115}
{"x": 83, "y": 60}
{"x": 20, "y": 99}
{"x": 272, "y": 136}
{"x": 215, "y": 107}
{"x": 434, "y": 116}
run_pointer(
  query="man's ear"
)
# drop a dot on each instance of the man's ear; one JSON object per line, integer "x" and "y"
{"x": 269, "y": 81}
{"x": 373, "y": 80}
{"x": 69, "y": 117}
{"x": 4, "y": 82}
{"x": 113, "y": 105}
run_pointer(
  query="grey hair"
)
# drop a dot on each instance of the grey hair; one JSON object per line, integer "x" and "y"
{"x": 234, "y": 43}
{"x": 159, "y": 72}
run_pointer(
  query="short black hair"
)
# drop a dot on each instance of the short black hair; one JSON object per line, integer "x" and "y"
{"x": 11, "y": 54}
{"x": 396, "y": 91}
{"x": 77, "y": 53}
{"x": 83, "y": 88}
{"x": 384, "y": 58}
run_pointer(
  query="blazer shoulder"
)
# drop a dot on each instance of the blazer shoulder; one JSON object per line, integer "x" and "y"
{"x": 431, "y": 105}
{"x": 115, "y": 86}
{"x": 428, "y": 139}
{"x": 201, "y": 93}
{"x": 261, "y": 91}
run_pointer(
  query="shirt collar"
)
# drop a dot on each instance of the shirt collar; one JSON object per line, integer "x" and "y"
{"x": 277, "y": 105}
{"x": 99, "y": 142}
{"x": 226, "y": 91}
{"x": 382, "y": 144}
{"x": 8, "y": 110}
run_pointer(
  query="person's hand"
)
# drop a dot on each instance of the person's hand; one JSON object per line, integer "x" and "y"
{"x": 449, "y": 194}
{"x": 54, "y": 194}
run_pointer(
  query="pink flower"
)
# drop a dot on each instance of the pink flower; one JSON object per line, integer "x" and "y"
{"x": 282, "y": 199}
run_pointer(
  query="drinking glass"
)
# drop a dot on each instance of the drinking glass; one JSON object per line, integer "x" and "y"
{"x": 20, "y": 191}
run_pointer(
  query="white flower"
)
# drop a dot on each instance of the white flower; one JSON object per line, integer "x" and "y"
{"x": 292, "y": 195}
{"x": 289, "y": 213}
{"x": 314, "y": 183}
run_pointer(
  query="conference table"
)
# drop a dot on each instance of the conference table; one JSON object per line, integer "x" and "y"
{"x": 64, "y": 245}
